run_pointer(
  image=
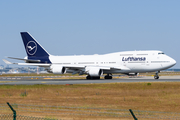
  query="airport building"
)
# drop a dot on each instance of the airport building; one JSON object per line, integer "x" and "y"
{"x": 15, "y": 70}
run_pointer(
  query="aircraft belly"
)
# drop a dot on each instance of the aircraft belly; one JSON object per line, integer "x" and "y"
{"x": 115, "y": 71}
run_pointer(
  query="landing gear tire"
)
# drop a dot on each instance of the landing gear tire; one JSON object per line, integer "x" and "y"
{"x": 156, "y": 77}
{"x": 108, "y": 77}
{"x": 88, "y": 77}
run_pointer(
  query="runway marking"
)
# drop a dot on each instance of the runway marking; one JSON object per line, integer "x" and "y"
{"x": 64, "y": 81}
{"x": 7, "y": 81}
{"x": 43, "y": 82}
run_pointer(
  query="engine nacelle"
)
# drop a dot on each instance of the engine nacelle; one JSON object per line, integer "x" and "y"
{"x": 94, "y": 71}
{"x": 58, "y": 69}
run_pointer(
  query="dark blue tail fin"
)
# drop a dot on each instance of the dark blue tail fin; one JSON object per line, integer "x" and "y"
{"x": 32, "y": 47}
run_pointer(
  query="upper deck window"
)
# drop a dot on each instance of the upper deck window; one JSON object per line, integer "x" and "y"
{"x": 126, "y": 54}
{"x": 142, "y": 54}
{"x": 161, "y": 53}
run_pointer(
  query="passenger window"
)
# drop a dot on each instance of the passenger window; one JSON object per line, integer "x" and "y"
{"x": 160, "y": 53}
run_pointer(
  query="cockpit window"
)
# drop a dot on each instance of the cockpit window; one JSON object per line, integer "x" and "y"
{"x": 161, "y": 53}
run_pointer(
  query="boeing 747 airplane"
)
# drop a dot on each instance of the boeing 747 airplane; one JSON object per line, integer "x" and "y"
{"x": 128, "y": 62}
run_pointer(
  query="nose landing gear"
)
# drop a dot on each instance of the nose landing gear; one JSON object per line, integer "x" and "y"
{"x": 156, "y": 76}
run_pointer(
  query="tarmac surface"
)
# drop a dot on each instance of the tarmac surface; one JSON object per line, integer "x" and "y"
{"x": 30, "y": 81}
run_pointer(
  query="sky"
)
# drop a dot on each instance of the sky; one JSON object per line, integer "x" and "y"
{"x": 84, "y": 27}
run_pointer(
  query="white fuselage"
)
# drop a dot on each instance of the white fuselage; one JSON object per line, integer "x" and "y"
{"x": 129, "y": 61}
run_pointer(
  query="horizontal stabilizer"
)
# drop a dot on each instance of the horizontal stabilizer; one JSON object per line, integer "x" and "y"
{"x": 26, "y": 60}
{"x": 16, "y": 58}
{"x": 29, "y": 64}
{"x": 35, "y": 64}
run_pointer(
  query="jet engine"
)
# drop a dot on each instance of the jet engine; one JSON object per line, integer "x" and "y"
{"x": 94, "y": 72}
{"x": 58, "y": 69}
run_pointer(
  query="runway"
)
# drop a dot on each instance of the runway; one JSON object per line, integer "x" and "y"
{"x": 25, "y": 81}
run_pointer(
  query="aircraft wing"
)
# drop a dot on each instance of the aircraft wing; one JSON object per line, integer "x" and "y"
{"x": 71, "y": 67}
{"x": 77, "y": 67}
{"x": 120, "y": 68}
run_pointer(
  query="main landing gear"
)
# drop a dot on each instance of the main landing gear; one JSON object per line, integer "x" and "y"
{"x": 108, "y": 76}
{"x": 156, "y": 76}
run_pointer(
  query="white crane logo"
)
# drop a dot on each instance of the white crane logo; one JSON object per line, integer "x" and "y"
{"x": 31, "y": 48}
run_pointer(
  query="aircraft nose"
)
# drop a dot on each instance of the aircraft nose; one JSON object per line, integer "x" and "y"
{"x": 173, "y": 62}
